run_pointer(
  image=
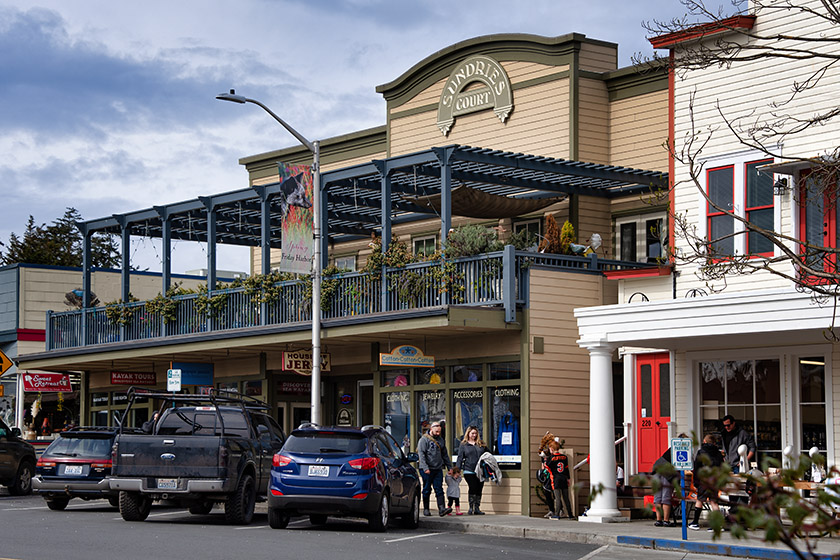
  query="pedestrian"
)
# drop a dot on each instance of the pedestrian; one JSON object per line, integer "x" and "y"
{"x": 619, "y": 479}
{"x": 433, "y": 457}
{"x": 558, "y": 469}
{"x": 469, "y": 452}
{"x": 663, "y": 470}
{"x": 453, "y": 490}
{"x": 707, "y": 456}
{"x": 734, "y": 435}
{"x": 149, "y": 425}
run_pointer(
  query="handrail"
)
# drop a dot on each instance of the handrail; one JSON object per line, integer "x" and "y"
{"x": 579, "y": 465}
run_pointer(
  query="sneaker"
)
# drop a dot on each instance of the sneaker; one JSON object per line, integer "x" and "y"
{"x": 667, "y": 524}
{"x": 548, "y": 515}
{"x": 694, "y": 526}
{"x": 658, "y": 524}
{"x": 554, "y": 517}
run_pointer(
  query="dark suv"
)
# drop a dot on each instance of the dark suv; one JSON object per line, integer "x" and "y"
{"x": 357, "y": 472}
{"x": 76, "y": 465}
{"x": 17, "y": 461}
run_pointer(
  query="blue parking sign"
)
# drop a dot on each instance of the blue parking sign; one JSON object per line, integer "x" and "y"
{"x": 681, "y": 454}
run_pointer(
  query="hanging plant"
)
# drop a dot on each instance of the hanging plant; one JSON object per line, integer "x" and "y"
{"x": 118, "y": 312}
{"x": 165, "y": 306}
{"x": 209, "y": 305}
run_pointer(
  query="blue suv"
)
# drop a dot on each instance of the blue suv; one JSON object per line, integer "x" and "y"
{"x": 356, "y": 472}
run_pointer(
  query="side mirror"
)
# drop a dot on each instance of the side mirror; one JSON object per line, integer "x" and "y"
{"x": 16, "y": 432}
{"x": 412, "y": 457}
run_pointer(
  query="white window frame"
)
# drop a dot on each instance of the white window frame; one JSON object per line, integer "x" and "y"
{"x": 424, "y": 238}
{"x": 641, "y": 233}
{"x": 338, "y": 260}
{"x": 525, "y": 223}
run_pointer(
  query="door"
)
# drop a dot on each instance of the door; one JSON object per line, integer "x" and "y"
{"x": 300, "y": 413}
{"x": 653, "y": 412}
{"x": 364, "y": 407}
{"x": 282, "y": 419}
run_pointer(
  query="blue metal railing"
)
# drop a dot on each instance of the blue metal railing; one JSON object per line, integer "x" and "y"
{"x": 493, "y": 279}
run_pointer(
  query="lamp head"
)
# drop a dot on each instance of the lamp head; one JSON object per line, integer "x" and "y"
{"x": 232, "y": 97}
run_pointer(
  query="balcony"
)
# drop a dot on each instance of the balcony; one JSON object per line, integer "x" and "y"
{"x": 498, "y": 279}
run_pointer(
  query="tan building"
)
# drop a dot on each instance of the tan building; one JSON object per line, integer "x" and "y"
{"x": 497, "y": 329}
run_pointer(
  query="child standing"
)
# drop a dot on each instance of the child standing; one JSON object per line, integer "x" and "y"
{"x": 558, "y": 470}
{"x": 453, "y": 489}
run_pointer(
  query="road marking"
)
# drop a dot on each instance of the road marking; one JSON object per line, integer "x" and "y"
{"x": 594, "y": 552}
{"x": 179, "y": 512}
{"x": 74, "y": 506}
{"x": 417, "y": 537}
{"x": 256, "y": 527}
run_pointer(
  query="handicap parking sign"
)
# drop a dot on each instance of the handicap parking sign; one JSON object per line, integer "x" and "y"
{"x": 681, "y": 454}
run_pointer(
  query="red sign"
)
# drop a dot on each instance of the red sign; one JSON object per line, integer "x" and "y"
{"x": 46, "y": 383}
{"x": 133, "y": 378}
{"x": 294, "y": 387}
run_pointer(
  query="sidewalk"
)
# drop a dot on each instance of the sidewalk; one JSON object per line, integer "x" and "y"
{"x": 637, "y": 534}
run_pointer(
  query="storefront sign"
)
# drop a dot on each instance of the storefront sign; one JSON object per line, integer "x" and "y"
{"x": 133, "y": 378}
{"x": 345, "y": 417}
{"x": 294, "y": 387}
{"x": 194, "y": 373}
{"x": 300, "y": 361}
{"x": 118, "y": 399}
{"x": 406, "y": 355}
{"x": 46, "y": 382}
{"x": 456, "y": 99}
{"x": 346, "y": 398}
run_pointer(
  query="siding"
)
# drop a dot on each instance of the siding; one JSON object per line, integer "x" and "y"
{"x": 593, "y": 117}
{"x": 8, "y": 299}
{"x": 594, "y": 217}
{"x": 655, "y": 288}
{"x": 598, "y": 58}
{"x": 638, "y": 131}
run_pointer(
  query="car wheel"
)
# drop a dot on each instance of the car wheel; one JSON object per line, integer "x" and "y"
{"x": 239, "y": 507}
{"x": 201, "y": 508}
{"x": 134, "y": 506}
{"x": 58, "y": 504}
{"x": 22, "y": 484}
{"x": 318, "y": 519}
{"x": 277, "y": 518}
{"x": 411, "y": 520}
{"x": 379, "y": 520}
{"x": 114, "y": 501}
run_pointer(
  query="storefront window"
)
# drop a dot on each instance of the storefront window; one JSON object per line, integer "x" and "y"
{"x": 99, "y": 418}
{"x": 812, "y": 403}
{"x": 253, "y": 388}
{"x": 468, "y": 408}
{"x": 430, "y": 376}
{"x": 506, "y": 419}
{"x": 397, "y": 410}
{"x": 396, "y": 377}
{"x": 229, "y": 386}
{"x": 467, "y": 374}
{"x": 431, "y": 407}
{"x": 504, "y": 370}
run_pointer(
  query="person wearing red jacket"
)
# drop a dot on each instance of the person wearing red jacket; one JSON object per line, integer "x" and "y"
{"x": 558, "y": 470}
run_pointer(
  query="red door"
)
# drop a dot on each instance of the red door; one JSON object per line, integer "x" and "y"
{"x": 653, "y": 412}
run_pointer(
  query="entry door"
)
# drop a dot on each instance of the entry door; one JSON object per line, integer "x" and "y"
{"x": 364, "y": 406}
{"x": 282, "y": 419}
{"x": 300, "y": 413}
{"x": 653, "y": 392}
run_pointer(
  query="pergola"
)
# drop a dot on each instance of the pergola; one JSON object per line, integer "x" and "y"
{"x": 370, "y": 198}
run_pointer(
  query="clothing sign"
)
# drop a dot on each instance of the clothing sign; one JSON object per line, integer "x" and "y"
{"x": 681, "y": 455}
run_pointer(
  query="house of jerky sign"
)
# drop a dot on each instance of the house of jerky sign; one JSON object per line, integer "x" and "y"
{"x": 456, "y": 99}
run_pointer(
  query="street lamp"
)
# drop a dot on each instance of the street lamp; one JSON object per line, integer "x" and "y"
{"x": 315, "y": 148}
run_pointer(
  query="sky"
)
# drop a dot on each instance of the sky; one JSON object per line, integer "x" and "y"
{"x": 109, "y": 107}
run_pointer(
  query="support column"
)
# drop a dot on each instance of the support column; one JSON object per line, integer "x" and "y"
{"x": 385, "y": 223}
{"x": 604, "y": 503}
{"x": 210, "y": 205}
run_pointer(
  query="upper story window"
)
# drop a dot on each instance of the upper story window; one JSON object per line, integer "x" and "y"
{"x": 642, "y": 238}
{"x": 533, "y": 227}
{"x": 739, "y": 187}
{"x": 347, "y": 262}
{"x": 818, "y": 217}
{"x": 424, "y": 246}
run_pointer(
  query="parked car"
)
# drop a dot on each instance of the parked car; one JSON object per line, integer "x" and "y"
{"x": 343, "y": 471}
{"x": 202, "y": 450}
{"x": 76, "y": 465}
{"x": 17, "y": 461}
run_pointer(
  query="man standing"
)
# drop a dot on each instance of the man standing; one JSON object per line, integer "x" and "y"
{"x": 733, "y": 436}
{"x": 433, "y": 457}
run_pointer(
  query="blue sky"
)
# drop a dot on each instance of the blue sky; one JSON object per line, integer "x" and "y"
{"x": 109, "y": 106}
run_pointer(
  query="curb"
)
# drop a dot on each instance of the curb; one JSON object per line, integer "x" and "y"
{"x": 545, "y": 534}
{"x": 717, "y": 549}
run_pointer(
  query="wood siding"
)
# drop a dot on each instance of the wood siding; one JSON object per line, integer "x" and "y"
{"x": 594, "y": 217}
{"x": 598, "y": 57}
{"x": 655, "y": 288}
{"x": 638, "y": 131}
{"x": 593, "y": 122}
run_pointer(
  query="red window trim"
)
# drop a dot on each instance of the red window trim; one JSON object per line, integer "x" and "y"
{"x": 829, "y": 218}
{"x": 748, "y": 209}
{"x": 710, "y": 211}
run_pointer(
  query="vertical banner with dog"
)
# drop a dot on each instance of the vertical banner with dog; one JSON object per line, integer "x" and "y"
{"x": 295, "y": 200}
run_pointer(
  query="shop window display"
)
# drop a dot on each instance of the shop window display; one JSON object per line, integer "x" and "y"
{"x": 467, "y": 374}
{"x": 468, "y": 410}
{"x": 505, "y": 426}
{"x": 504, "y": 370}
{"x": 431, "y": 407}
{"x": 396, "y": 378}
{"x": 430, "y": 376}
{"x": 397, "y": 412}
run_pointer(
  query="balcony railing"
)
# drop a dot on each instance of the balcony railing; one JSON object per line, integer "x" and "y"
{"x": 494, "y": 279}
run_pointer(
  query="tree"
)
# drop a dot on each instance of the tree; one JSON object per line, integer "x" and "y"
{"x": 59, "y": 244}
{"x": 707, "y": 39}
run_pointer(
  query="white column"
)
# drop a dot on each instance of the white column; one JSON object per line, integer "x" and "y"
{"x": 604, "y": 505}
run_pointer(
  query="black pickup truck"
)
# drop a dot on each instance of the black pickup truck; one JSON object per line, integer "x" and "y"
{"x": 201, "y": 450}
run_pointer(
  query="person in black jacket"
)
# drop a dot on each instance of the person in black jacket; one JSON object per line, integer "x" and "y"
{"x": 433, "y": 458}
{"x": 707, "y": 456}
{"x": 469, "y": 452}
{"x": 558, "y": 469}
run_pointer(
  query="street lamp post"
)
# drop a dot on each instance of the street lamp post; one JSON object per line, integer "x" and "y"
{"x": 315, "y": 148}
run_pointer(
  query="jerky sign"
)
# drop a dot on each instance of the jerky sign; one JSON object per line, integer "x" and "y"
{"x": 46, "y": 382}
{"x": 456, "y": 99}
{"x": 300, "y": 361}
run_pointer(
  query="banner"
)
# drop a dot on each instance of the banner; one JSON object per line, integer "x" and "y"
{"x": 46, "y": 383}
{"x": 295, "y": 201}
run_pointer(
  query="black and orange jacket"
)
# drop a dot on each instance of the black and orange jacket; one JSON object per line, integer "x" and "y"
{"x": 558, "y": 470}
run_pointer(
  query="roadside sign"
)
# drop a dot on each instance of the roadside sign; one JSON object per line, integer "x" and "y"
{"x": 173, "y": 380}
{"x": 5, "y": 363}
{"x": 681, "y": 455}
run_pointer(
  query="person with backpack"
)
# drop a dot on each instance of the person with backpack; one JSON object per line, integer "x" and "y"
{"x": 558, "y": 470}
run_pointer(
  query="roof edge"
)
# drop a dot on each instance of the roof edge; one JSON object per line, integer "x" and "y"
{"x": 734, "y": 23}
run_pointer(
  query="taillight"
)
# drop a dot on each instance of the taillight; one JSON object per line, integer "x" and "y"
{"x": 365, "y": 463}
{"x": 276, "y": 492}
{"x": 101, "y": 465}
{"x": 42, "y": 463}
{"x": 280, "y": 460}
{"x": 361, "y": 496}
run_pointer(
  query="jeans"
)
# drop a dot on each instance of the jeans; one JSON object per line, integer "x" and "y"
{"x": 434, "y": 478}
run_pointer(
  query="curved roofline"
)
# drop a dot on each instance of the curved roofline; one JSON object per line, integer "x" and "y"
{"x": 501, "y": 41}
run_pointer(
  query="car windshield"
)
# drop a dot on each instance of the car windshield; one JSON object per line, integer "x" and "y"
{"x": 301, "y": 442}
{"x": 80, "y": 447}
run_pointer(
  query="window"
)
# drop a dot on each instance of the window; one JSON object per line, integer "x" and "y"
{"x": 759, "y": 207}
{"x": 642, "y": 238}
{"x": 468, "y": 406}
{"x": 721, "y": 226}
{"x": 397, "y": 411}
{"x": 505, "y": 421}
{"x": 533, "y": 227}
{"x": 818, "y": 224}
{"x": 347, "y": 263}
{"x": 425, "y": 246}
{"x": 812, "y": 404}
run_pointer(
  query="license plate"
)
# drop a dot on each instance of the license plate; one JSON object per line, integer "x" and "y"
{"x": 319, "y": 470}
{"x": 73, "y": 469}
{"x": 167, "y": 484}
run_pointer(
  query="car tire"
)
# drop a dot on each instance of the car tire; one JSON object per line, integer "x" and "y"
{"x": 114, "y": 501}
{"x": 379, "y": 521}
{"x": 277, "y": 518}
{"x": 134, "y": 506}
{"x": 239, "y": 507}
{"x": 58, "y": 504}
{"x": 318, "y": 519}
{"x": 411, "y": 520}
{"x": 201, "y": 508}
{"x": 22, "y": 484}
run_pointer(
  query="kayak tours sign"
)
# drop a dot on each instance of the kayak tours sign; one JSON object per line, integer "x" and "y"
{"x": 406, "y": 355}
{"x": 300, "y": 361}
{"x": 295, "y": 201}
{"x": 46, "y": 383}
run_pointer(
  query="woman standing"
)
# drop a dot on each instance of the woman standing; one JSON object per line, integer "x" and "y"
{"x": 468, "y": 454}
